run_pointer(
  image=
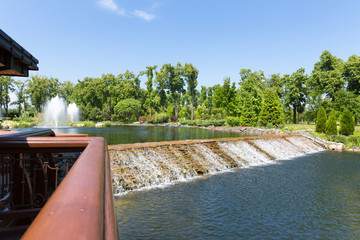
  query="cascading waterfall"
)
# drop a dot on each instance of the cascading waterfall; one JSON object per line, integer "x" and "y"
{"x": 136, "y": 167}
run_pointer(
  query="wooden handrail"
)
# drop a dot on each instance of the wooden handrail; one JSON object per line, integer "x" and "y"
{"x": 82, "y": 207}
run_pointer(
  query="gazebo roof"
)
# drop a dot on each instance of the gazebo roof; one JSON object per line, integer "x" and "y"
{"x": 14, "y": 59}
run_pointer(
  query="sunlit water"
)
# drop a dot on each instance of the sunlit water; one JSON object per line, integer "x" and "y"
{"x": 312, "y": 197}
{"x": 133, "y": 134}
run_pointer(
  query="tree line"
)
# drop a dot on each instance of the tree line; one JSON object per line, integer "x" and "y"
{"x": 171, "y": 90}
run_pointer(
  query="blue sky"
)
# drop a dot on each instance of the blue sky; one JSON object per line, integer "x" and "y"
{"x": 74, "y": 39}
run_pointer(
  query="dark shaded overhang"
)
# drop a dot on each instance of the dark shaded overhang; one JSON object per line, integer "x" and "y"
{"x": 14, "y": 59}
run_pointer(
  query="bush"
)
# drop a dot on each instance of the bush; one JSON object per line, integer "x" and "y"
{"x": 173, "y": 119}
{"x": 107, "y": 124}
{"x": 354, "y": 140}
{"x": 165, "y": 119}
{"x": 25, "y": 125}
{"x": 233, "y": 121}
{"x": 321, "y": 120}
{"x": 342, "y": 139}
{"x": 142, "y": 119}
{"x": 151, "y": 119}
{"x": 114, "y": 117}
{"x": 89, "y": 124}
{"x": 347, "y": 123}
{"x": 330, "y": 126}
{"x": 269, "y": 125}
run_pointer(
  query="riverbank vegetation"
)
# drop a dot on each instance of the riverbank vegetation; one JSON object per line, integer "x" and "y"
{"x": 172, "y": 95}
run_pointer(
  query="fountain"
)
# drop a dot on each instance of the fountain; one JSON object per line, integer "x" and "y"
{"x": 57, "y": 114}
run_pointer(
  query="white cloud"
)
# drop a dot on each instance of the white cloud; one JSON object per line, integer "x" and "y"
{"x": 112, "y": 6}
{"x": 108, "y": 4}
{"x": 143, "y": 15}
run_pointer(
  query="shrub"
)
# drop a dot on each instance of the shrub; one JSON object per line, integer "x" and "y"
{"x": 354, "y": 140}
{"x": 347, "y": 123}
{"x": 321, "y": 120}
{"x": 89, "y": 124}
{"x": 142, "y": 119}
{"x": 151, "y": 119}
{"x": 269, "y": 125}
{"x": 107, "y": 124}
{"x": 342, "y": 139}
{"x": 330, "y": 126}
{"x": 173, "y": 119}
{"x": 233, "y": 121}
{"x": 114, "y": 117}
{"x": 25, "y": 125}
{"x": 165, "y": 119}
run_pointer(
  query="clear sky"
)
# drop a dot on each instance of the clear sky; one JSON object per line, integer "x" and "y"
{"x": 74, "y": 39}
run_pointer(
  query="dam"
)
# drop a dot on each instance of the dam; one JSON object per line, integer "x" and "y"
{"x": 144, "y": 165}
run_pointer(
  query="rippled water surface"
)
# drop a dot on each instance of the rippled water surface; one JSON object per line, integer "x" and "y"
{"x": 311, "y": 197}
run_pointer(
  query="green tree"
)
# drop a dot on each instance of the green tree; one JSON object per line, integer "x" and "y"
{"x": 151, "y": 100}
{"x": 41, "y": 89}
{"x": 326, "y": 77}
{"x": 347, "y": 123}
{"x": 191, "y": 75}
{"x": 248, "y": 116}
{"x": 252, "y": 83}
{"x": 271, "y": 111}
{"x": 321, "y": 120}
{"x": 347, "y": 100}
{"x": 66, "y": 91}
{"x": 127, "y": 108}
{"x": 352, "y": 74}
{"x": 330, "y": 127}
{"x": 20, "y": 95}
{"x": 296, "y": 92}
{"x": 225, "y": 96}
{"x": 6, "y": 87}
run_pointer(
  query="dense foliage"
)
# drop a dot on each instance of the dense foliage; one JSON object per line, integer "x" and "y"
{"x": 321, "y": 120}
{"x": 171, "y": 92}
{"x": 347, "y": 123}
{"x": 330, "y": 127}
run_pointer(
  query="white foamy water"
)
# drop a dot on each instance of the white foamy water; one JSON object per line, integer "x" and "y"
{"x": 139, "y": 168}
{"x": 57, "y": 114}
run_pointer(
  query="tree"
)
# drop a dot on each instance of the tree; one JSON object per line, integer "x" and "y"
{"x": 127, "y": 108}
{"x": 151, "y": 100}
{"x": 225, "y": 96}
{"x": 330, "y": 127}
{"x": 6, "y": 86}
{"x": 20, "y": 94}
{"x": 41, "y": 89}
{"x": 347, "y": 100}
{"x": 321, "y": 120}
{"x": 248, "y": 115}
{"x": 252, "y": 83}
{"x": 352, "y": 74}
{"x": 295, "y": 91}
{"x": 191, "y": 75}
{"x": 326, "y": 77}
{"x": 347, "y": 123}
{"x": 271, "y": 111}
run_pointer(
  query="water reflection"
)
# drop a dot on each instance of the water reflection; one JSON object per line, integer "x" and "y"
{"x": 311, "y": 197}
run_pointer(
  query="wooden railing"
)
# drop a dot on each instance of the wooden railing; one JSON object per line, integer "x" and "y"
{"x": 82, "y": 206}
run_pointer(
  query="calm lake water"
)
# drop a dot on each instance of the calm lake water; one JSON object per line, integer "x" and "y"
{"x": 134, "y": 134}
{"x": 311, "y": 197}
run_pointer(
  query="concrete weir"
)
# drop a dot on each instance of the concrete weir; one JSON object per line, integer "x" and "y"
{"x": 140, "y": 165}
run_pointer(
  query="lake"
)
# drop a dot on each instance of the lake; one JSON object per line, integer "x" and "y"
{"x": 312, "y": 197}
{"x": 133, "y": 134}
